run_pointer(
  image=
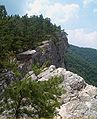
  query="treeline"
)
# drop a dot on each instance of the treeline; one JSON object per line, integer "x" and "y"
{"x": 82, "y": 61}
{"x": 20, "y": 33}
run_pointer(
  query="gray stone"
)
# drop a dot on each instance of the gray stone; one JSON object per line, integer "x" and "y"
{"x": 80, "y": 99}
{"x": 51, "y": 52}
{"x": 31, "y": 75}
{"x": 47, "y": 72}
{"x": 26, "y": 55}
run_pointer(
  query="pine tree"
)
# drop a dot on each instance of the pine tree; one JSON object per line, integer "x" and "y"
{"x": 33, "y": 98}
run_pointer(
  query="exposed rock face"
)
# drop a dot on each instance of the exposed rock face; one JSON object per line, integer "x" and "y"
{"x": 80, "y": 99}
{"x": 50, "y": 52}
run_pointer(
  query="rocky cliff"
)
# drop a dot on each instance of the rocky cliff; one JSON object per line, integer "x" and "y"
{"x": 80, "y": 99}
{"x": 48, "y": 53}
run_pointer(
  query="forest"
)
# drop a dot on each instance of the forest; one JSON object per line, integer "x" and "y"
{"x": 82, "y": 61}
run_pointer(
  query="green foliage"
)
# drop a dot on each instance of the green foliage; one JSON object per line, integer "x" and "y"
{"x": 88, "y": 54}
{"x": 83, "y": 62}
{"x": 35, "y": 99}
{"x": 46, "y": 64}
{"x": 12, "y": 65}
{"x": 18, "y": 34}
{"x": 37, "y": 68}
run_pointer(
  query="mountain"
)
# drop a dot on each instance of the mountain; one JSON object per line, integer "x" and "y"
{"x": 33, "y": 80}
{"x": 83, "y": 62}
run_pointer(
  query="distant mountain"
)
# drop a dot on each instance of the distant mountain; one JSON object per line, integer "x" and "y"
{"x": 82, "y": 61}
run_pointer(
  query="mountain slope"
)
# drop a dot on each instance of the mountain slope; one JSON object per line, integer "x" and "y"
{"x": 88, "y": 54}
{"x": 83, "y": 62}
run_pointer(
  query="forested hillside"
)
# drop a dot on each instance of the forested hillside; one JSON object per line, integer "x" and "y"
{"x": 88, "y": 54}
{"x": 20, "y": 33}
{"x": 83, "y": 61}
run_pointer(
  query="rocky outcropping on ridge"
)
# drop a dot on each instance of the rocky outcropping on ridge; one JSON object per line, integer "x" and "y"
{"x": 49, "y": 52}
{"x": 80, "y": 99}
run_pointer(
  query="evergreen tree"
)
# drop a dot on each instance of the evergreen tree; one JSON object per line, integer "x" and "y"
{"x": 35, "y": 99}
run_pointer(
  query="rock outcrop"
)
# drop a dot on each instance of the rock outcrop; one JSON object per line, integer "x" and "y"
{"x": 49, "y": 52}
{"x": 80, "y": 99}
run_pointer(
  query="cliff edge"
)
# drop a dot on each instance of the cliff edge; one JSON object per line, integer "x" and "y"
{"x": 50, "y": 52}
{"x": 80, "y": 99}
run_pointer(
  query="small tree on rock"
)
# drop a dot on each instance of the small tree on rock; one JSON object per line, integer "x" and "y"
{"x": 32, "y": 98}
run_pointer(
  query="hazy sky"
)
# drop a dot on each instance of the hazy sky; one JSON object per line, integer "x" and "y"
{"x": 77, "y": 17}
